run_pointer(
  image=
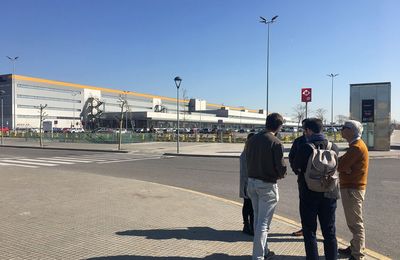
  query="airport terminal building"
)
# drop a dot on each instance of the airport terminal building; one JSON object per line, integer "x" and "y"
{"x": 75, "y": 105}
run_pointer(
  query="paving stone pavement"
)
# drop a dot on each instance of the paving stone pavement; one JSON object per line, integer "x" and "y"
{"x": 65, "y": 215}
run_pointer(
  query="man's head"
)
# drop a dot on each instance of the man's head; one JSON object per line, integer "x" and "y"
{"x": 312, "y": 126}
{"x": 351, "y": 130}
{"x": 274, "y": 122}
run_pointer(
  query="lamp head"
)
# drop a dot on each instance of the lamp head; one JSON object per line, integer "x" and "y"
{"x": 178, "y": 81}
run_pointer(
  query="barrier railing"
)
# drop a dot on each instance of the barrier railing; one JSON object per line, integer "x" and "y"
{"x": 153, "y": 137}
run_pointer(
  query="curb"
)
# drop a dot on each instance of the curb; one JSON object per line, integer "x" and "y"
{"x": 67, "y": 149}
{"x": 201, "y": 155}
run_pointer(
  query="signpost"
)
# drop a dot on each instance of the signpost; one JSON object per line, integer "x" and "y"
{"x": 306, "y": 96}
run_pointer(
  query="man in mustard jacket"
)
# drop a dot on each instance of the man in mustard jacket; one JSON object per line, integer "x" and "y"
{"x": 353, "y": 169}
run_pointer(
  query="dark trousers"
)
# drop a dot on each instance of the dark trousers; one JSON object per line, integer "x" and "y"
{"x": 247, "y": 212}
{"x": 313, "y": 205}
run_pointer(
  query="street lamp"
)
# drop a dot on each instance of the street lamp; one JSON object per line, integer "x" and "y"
{"x": 265, "y": 21}
{"x": 332, "y": 76}
{"x": 13, "y": 60}
{"x": 2, "y": 92}
{"x": 178, "y": 81}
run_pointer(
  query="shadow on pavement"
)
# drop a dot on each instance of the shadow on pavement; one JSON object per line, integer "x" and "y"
{"x": 191, "y": 233}
{"x": 210, "y": 257}
{"x": 205, "y": 233}
{"x": 395, "y": 147}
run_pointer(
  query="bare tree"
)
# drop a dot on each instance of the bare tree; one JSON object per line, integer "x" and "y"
{"x": 123, "y": 104}
{"x": 320, "y": 114}
{"x": 299, "y": 113}
{"x": 341, "y": 119}
{"x": 42, "y": 117}
{"x": 184, "y": 97}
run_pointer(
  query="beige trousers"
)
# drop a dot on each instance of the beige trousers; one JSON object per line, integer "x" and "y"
{"x": 352, "y": 200}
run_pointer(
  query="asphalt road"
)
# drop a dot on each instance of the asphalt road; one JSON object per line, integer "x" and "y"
{"x": 220, "y": 177}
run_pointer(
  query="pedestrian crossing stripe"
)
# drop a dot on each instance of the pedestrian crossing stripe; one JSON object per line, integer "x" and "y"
{"x": 68, "y": 160}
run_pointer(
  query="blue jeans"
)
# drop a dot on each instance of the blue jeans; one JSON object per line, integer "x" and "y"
{"x": 264, "y": 197}
{"x": 313, "y": 205}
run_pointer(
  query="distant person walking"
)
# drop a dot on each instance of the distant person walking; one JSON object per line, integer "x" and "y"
{"x": 265, "y": 165}
{"x": 292, "y": 154}
{"x": 353, "y": 169}
{"x": 247, "y": 209}
{"x": 315, "y": 204}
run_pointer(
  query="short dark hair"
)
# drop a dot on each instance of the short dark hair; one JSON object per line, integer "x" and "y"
{"x": 250, "y": 135}
{"x": 314, "y": 124}
{"x": 274, "y": 121}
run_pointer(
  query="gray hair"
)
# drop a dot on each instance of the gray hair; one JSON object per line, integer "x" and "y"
{"x": 355, "y": 126}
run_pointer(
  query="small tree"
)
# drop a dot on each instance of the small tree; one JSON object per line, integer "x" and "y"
{"x": 320, "y": 114}
{"x": 299, "y": 113}
{"x": 123, "y": 104}
{"x": 42, "y": 117}
{"x": 341, "y": 119}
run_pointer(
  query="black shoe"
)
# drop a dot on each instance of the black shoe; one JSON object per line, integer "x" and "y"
{"x": 352, "y": 258}
{"x": 247, "y": 229}
{"x": 270, "y": 255}
{"x": 298, "y": 233}
{"x": 345, "y": 251}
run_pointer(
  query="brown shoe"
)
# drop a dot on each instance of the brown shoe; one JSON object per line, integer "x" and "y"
{"x": 298, "y": 233}
{"x": 344, "y": 251}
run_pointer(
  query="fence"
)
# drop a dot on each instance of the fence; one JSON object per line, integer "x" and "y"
{"x": 113, "y": 138}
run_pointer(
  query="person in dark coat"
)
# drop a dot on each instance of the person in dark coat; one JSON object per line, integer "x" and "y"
{"x": 316, "y": 204}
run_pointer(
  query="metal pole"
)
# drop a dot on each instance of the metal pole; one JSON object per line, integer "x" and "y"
{"x": 306, "y": 108}
{"x": 177, "y": 119}
{"x": 267, "y": 69}
{"x": 332, "y": 104}
{"x": 2, "y": 125}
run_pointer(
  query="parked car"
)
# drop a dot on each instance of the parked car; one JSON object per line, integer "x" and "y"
{"x": 103, "y": 130}
{"x": 4, "y": 130}
{"x": 76, "y": 130}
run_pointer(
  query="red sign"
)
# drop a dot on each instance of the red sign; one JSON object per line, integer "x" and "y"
{"x": 306, "y": 94}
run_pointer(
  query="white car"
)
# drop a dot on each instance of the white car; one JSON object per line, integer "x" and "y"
{"x": 76, "y": 130}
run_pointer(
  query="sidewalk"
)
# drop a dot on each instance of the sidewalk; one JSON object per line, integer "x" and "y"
{"x": 66, "y": 215}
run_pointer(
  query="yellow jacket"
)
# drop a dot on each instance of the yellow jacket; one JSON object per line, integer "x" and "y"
{"x": 353, "y": 166}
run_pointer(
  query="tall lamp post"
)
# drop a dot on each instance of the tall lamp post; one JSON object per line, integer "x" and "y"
{"x": 267, "y": 22}
{"x": 13, "y": 60}
{"x": 2, "y": 92}
{"x": 178, "y": 81}
{"x": 332, "y": 76}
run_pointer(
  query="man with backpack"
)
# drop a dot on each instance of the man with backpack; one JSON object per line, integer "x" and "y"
{"x": 316, "y": 164}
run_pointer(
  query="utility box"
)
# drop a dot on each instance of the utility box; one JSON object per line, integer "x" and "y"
{"x": 370, "y": 104}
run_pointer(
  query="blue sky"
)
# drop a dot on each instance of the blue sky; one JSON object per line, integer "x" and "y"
{"x": 218, "y": 47}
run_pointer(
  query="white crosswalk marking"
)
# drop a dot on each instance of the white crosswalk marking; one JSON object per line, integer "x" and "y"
{"x": 18, "y": 165}
{"x": 20, "y": 161}
{"x": 46, "y": 160}
{"x": 73, "y": 160}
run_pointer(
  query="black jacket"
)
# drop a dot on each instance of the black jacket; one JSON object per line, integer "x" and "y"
{"x": 293, "y": 150}
{"x": 264, "y": 154}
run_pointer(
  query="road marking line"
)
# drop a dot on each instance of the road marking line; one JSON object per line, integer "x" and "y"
{"x": 19, "y": 165}
{"x": 33, "y": 163}
{"x": 70, "y": 159}
{"x": 131, "y": 160}
{"x": 49, "y": 160}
